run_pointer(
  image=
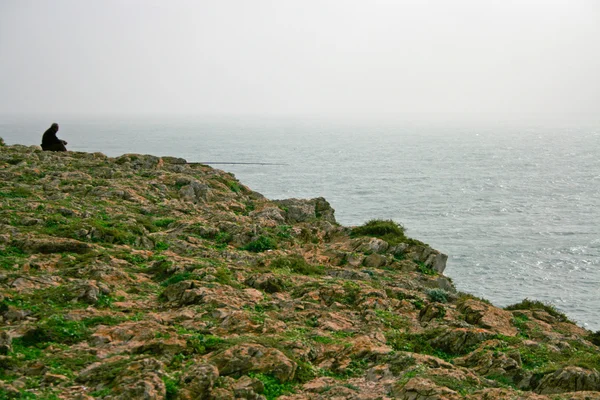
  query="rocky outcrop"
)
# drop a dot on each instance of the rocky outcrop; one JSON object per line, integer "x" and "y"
{"x": 242, "y": 359}
{"x": 144, "y": 277}
{"x": 569, "y": 379}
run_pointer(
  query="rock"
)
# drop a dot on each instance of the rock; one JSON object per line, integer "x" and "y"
{"x": 297, "y": 210}
{"x": 198, "y": 381}
{"x": 53, "y": 245}
{"x": 249, "y": 388}
{"x": 459, "y": 340}
{"x": 423, "y": 389}
{"x": 195, "y": 192}
{"x": 569, "y": 379}
{"x": 141, "y": 380}
{"x": 249, "y": 357}
{"x": 86, "y": 291}
{"x": 375, "y": 260}
{"x": 5, "y": 342}
{"x": 274, "y": 214}
{"x": 487, "y": 362}
{"x": 488, "y": 316}
{"x": 267, "y": 282}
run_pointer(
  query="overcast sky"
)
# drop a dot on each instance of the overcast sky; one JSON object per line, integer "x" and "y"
{"x": 338, "y": 57}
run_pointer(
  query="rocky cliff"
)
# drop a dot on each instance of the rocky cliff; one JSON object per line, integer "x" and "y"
{"x": 141, "y": 277}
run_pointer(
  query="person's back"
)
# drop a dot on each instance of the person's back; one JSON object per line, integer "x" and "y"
{"x": 50, "y": 142}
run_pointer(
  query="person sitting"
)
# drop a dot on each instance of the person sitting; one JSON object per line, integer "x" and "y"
{"x": 50, "y": 142}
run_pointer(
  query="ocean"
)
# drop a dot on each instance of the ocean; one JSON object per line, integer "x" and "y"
{"x": 515, "y": 206}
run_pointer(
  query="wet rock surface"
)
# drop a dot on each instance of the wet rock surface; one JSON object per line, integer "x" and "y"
{"x": 144, "y": 277}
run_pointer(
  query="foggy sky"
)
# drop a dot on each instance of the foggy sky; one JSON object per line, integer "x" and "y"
{"x": 337, "y": 57}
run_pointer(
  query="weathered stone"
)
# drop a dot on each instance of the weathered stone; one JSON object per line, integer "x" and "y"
{"x": 53, "y": 245}
{"x": 488, "y": 316}
{"x": 267, "y": 282}
{"x": 569, "y": 379}
{"x": 487, "y": 362}
{"x": 5, "y": 342}
{"x": 300, "y": 210}
{"x": 198, "y": 381}
{"x": 459, "y": 340}
{"x": 423, "y": 389}
{"x": 375, "y": 260}
{"x": 244, "y": 358}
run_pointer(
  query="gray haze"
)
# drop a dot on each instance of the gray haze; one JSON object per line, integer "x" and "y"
{"x": 325, "y": 57}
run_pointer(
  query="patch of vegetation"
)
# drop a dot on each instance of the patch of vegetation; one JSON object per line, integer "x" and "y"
{"x": 164, "y": 222}
{"x": 437, "y": 295}
{"x": 392, "y": 320}
{"x": 262, "y": 243}
{"x": 171, "y": 386}
{"x": 204, "y": 344}
{"x": 424, "y": 269}
{"x": 538, "y": 305}
{"x": 416, "y": 343}
{"x": 11, "y": 255}
{"x": 594, "y": 338}
{"x": 464, "y": 387}
{"x": 462, "y": 297}
{"x": 16, "y": 193}
{"x": 352, "y": 291}
{"x": 273, "y": 386}
{"x": 520, "y": 322}
{"x": 297, "y": 264}
{"x": 175, "y": 278}
{"x": 390, "y": 231}
{"x": 56, "y": 329}
{"x": 234, "y": 186}
{"x": 161, "y": 246}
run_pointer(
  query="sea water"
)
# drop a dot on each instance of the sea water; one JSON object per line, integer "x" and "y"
{"x": 515, "y": 206}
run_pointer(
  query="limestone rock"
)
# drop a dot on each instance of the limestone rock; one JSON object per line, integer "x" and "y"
{"x": 569, "y": 379}
{"x": 198, "y": 381}
{"x": 423, "y": 389}
{"x": 487, "y": 316}
{"x": 458, "y": 340}
{"x": 244, "y": 358}
{"x": 5, "y": 342}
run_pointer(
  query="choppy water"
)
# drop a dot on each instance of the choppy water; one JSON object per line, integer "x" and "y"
{"x": 516, "y": 208}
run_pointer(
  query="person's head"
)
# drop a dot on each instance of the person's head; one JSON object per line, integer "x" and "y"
{"x": 54, "y": 126}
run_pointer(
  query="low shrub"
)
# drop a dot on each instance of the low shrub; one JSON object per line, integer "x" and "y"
{"x": 538, "y": 305}
{"x": 262, "y": 243}
{"x": 298, "y": 265}
{"x": 438, "y": 295}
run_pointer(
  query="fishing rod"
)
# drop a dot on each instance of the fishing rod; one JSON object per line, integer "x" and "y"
{"x": 233, "y": 163}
